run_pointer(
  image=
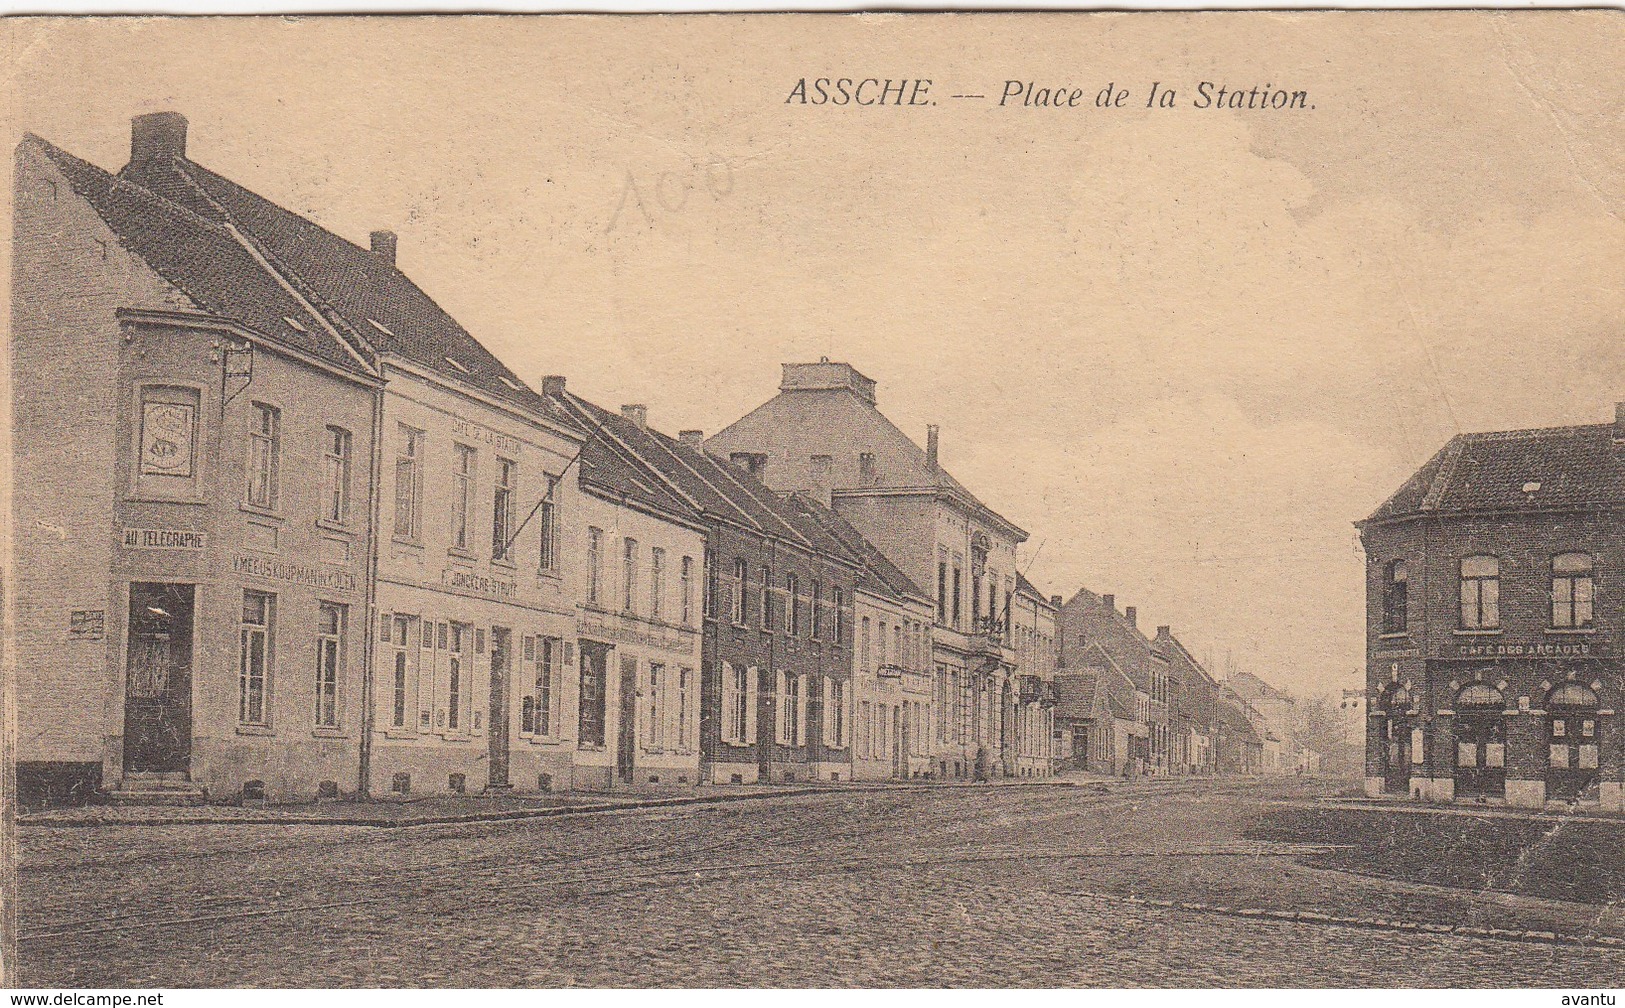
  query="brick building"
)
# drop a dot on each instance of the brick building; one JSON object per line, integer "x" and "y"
{"x": 194, "y": 442}
{"x": 1092, "y": 630}
{"x": 776, "y": 652}
{"x": 1194, "y": 708}
{"x": 1493, "y": 643}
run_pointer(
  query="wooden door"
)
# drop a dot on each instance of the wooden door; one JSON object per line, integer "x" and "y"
{"x": 497, "y": 735}
{"x": 158, "y": 679}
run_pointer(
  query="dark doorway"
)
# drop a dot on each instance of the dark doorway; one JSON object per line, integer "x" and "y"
{"x": 594, "y": 673}
{"x": 501, "y": 676}
{"x": 626, "y": 732}
{"x": 158, "y": 679}
{"x": 1571, "y": 754}
{"x": 1397, "y": 758}
{"x": 1481, "y": 754}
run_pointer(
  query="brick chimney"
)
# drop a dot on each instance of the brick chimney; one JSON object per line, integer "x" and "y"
{"x": 1056, "y": 601}
{"x": 383, "y": 245}
{"x": 1133, "y": 615}
{"x": 637, "y": 413}
{"x": 827, "y": 376}
{"x": 553, "y": 385}
{"x": 693, "y": 438}
{"x": 1166, "y": 632}
{"x": 931, "y": 441}
{"x": 157, "y": 135}
{"x": 1109, "y": 601}
{"x": 1619, "y": 421}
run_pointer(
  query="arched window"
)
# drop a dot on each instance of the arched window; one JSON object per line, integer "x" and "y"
{"x": 1395, "y": 597}
{"x": 1480, "y": 592}
{"x": 1571, "y": 695}
{"x": 1480, "y": 695}
{"x": 1571, "y": 591}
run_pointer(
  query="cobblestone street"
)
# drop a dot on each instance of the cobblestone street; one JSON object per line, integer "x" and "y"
{"x": 1150, "y": 884}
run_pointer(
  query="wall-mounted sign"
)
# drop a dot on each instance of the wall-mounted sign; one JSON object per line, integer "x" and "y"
{"x": 1567, "y": 649}
{"x": 87, "y": 624}
{"x": 294, "y": 573}
{"x": 167, "y": 438}
{"x": 680, "y": 641}
{"x": 164, "y": 538}
{"x": 479, "y": 584}
{"x": 485, "y": 435}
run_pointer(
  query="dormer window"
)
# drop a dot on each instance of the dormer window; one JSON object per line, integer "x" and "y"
{"x": 457, "y": 365}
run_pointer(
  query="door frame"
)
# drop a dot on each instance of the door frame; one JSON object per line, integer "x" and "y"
{"x": 498, "y": 730}
{"x": 178, "y": 694}
{"x": 626, "y": 729}
{"x": 1479, "y": 728}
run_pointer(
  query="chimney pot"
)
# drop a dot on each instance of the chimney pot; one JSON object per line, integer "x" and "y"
{"x": 157, "y": 135}
{"x": 638, "y": 413}
{"x": 1165, "y": 631}
{"x": 692, "y": 438}
{"x": 1619, "y": 421}
{"x": 1133, "y": 615}
{"x": 553, "y": 385}
{"x": 383, "y": 245}
{"x": 1055, "y": 600}
{"x": 932, "y": 440}
{"x": 1109, "y": 601}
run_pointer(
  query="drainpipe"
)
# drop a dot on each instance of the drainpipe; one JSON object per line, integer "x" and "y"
{"x": 369, "y": 651}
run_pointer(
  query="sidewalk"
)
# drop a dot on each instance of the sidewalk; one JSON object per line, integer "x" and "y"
{"x": 1405, "y": 805}
{"x": 441, "y": 810}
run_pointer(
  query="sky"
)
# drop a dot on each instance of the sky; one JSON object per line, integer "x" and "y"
{"x": 1185, "y": 348}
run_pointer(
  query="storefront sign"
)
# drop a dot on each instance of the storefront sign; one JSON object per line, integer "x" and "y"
{"x": 294, "y": 573}
{"x": 479, "y": 584}
{"x": 164, "y": 538}
{"x": 87, "y": 624}
{"x": 680, "y": 642}
{"x": 484, "y": 435}
{"x": 1575, "y": 649}
{"x": 166, "y": 438}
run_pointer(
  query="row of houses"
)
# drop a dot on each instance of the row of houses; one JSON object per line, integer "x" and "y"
{"x": 1129, "y": 704}
{"x": 285, "y": 529}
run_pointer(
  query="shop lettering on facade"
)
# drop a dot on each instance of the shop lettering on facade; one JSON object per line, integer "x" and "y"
{"x": 680, "y": 642}
{"x": 1576, "y": 649}
{"x": 164, "y": 538}
{"x": 294, "y": 573}
{"x": 484, "y": 435}
{"x": 479, "y": 584}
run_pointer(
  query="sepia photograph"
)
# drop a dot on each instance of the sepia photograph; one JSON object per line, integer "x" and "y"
{"x": 868, "y": 500}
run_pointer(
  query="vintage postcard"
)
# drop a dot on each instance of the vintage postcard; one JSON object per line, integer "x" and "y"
{"x": 882, "y": 500}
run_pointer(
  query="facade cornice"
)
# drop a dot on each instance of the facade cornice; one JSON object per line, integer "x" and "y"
{"x": 212, "y": 323}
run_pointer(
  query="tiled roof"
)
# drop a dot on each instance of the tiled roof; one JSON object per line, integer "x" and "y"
{"x": 1237, "y": 723}
{"x": 204, "y": 260}
{"x": 375, "y": 300}
{"x": 1023, "y": 585}
{"x": 881, "y": 574}
{"x": 1075, "y": 694}
{"x": 1527, "y": 470}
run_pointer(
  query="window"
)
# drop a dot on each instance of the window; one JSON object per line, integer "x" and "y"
{"x": 817, "y": 610}
{"x": 591, "y": 692}
{"x": 539, "y": 708}
{"x": 686, "y": 589}
{"x": 975, "y": 597}
{"x": 790, "y": 727}
{"x": 837, "y": 603}
{"x": 254, "y": 657}
{"x": 885, "y": 657}
{"x": 1571, "y": 591}
{"x": 792, "y": 613}
{"x": 1480, "y": 592}
{"x": 657, "y": 580}
{"x": 942, "y": 703}
{"x": 684, "y": 740}
{"x": 329, "y": 662}
{"x": 264, "y": 451}
{"x": 168, "y": 434}
{"x": 462, "y": 490}
{"x": 835, "y": 712}
{"x": 336, "y": 461}
{"x": 865, "y": 728}
{"x": 942, "y": 592}
{"x": 712, "y": 587}
{"x": 865, "y": 646}
{"x": 629, "y": 575}
{"x": 736, "y": 704}
{"x": 897, "y": 644}
{"x": 956, "y": 599}
{"x": 409, "y": 483}
{"x": 502, "y": 509}
{"x": 595, "y": 563}
{"x": 401, "y": 635}
{"x": 454, "y": 677}
{"x": 549, "y": 516}
{"x": 740, "y": 609}
{"x": 654, "y": 704}
{"x": 1395, "y": 590}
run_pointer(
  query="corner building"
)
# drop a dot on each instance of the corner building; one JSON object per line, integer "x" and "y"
{"x": 1492, "y": 634}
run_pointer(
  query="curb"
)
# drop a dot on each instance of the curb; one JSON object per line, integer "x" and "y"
{"x": 510, "y": 815}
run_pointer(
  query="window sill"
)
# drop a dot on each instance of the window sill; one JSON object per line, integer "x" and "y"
{"x": 1568, "y": 631}
{"x": 504, "y": 563}
{"x": 401, "y": 734}
{"x": 263, "y": 512}
{"x": 401, "y": 540}
{"x": 446, "y": 736}
{"x": 462, "y": 555}
{"x": 161, "y": 499}
{"x": 329, "y": 733}
{"x": 550, "y": 575}
{"x": 343, "y": 528}
{"x": 1476, "y": 632}
{"x": 254, "y": 729}
{"x": 590, "y": 746}
{"x": 535, "y": 739}
{"x": 1394, "y": 635}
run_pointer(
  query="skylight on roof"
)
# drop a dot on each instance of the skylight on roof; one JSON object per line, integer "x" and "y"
{"x": 294, "y": 323}
{"x": 379, "y": 326}
{"x": 457, "y": 365}
{"x": 512, "y": 384}
{"x": 1531, "y": 486}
